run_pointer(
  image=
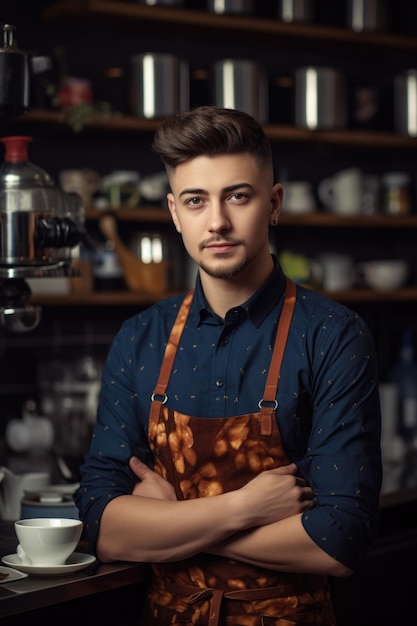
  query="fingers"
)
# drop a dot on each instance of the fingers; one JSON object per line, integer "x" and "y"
{"x": 291, "y": 468}
{"x": 138, "y": 467}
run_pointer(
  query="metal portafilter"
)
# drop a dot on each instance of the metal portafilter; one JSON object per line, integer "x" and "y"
{"x": 16, "y": 313}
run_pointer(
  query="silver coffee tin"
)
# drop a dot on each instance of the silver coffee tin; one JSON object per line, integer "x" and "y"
{"x": 159, "y": 85}
{"x": 242, "y": 85}
{"x": 241, "y": 7}
{"x": 320, "y": 98}
{"x": 167, "y": 3}
{"x": 296, "y": 10}
{"x": 366, "y": 15}
{"x": 405, "y": 103}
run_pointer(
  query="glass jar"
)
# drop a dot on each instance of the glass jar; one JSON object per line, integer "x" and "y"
{"x": 396, "y": 193}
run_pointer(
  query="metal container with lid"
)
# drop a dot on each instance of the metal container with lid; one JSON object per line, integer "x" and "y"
{"x": 396, "y": 193}
{"x": 240, "y": 7}
{"x": 405, "y": 102}
{"x": 159, "y": 85}
{"x": 296, "y": 10}
{"x": 366, "y": 15}
{"x": 320, "y": 98}
{"x": 242, "y": 84}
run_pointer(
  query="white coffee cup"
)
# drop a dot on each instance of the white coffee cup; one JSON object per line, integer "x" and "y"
{"x": 338, "y": 272}
{"x": 298, "y": 197}
{"x": 85, "y": 182}
{"x": 47, "y": 541}
{"x": 343, "y": 192}
{"x": 13, "y": 487}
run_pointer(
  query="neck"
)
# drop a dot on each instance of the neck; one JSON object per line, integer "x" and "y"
{"x": 224, "y": 294}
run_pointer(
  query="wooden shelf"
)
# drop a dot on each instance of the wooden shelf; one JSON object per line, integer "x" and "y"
{"x": 143, "y": 17}
{"x": 281, "y": 133}
{"x": 326, "y": 220}
{"x": 144, "y": 214}
{"x": 406, "y": 294}
{"x": 127, "y": 298}
{"x": 161, "y": 214}
{"x": 99, "y": 298}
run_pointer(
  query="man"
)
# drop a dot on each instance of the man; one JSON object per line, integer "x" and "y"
{"x": 237, "y": 438}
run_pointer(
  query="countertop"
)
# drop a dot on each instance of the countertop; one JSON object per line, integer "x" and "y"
{"x": 35, "y": 592}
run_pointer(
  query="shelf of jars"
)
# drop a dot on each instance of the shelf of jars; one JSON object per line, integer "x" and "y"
{"x": 144, "y": 17}
{"x": 125, "y": 123}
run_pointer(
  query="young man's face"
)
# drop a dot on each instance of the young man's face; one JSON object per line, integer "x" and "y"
{"x": 222, "y": 206}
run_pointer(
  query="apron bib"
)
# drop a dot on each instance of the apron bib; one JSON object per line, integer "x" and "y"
{"x": 203, "y": 457}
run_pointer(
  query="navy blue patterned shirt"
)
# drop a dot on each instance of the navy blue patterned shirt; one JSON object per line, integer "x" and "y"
{"x": 328, "y": 415}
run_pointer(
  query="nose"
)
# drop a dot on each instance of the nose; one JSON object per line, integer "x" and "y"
{"x": 218, "y": 220}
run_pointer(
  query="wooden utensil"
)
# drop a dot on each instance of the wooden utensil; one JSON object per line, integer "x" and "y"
{"x": 149, "y": 278}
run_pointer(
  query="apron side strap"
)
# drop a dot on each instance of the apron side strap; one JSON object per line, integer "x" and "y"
{"x": 280, "y": 343}
{"x": 158, "y": 396}
{"x": 172, "y": 345}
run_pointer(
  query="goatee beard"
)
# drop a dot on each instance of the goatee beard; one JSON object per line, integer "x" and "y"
{"x": 224, "y": 273}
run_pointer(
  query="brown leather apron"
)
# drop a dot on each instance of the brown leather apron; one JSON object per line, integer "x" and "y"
{"x": 204, "y": 457}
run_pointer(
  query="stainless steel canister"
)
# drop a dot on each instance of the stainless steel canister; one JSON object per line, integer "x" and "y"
{"x": 296, "y": 10}
{"x": 159, "y": 85}
{"x": 231, "y": 6}
{"x": 320, "y": 98}
{"x": 366, "y": 15}
{"x": 243, "y": 85}
{"x": 168, "y": 3}
{"x": 405, "y": 103}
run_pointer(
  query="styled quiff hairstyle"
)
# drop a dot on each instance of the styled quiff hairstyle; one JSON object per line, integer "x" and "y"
{"x": 210, "y": 131}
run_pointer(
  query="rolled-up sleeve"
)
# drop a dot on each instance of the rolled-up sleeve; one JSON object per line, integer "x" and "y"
{"x": 343, "y": 459}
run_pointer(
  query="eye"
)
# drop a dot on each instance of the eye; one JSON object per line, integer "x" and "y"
{"x": 239, "y": 197}
{"x": 194, "y": 201}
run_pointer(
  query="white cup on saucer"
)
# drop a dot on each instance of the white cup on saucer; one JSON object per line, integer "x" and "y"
{"x": 342, "y": 193}
{"x": 46, "y": 542}
{"x": 298, "y": 197}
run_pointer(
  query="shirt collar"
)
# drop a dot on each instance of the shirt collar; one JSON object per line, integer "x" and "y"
{"x": 257, "y": 307}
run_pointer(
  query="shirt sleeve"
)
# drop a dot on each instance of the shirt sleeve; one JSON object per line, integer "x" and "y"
{"x": 343, "y": 460}
{"x": 118, "y": 434}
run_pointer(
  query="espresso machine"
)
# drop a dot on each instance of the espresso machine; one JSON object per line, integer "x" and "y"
{"x": 39, "y": 222}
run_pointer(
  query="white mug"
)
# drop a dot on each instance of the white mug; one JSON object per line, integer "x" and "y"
{"x": 84, "y": 182}
{"x": 13, "y": 487}
{"x": 343, "y": 192}
{"x": 338, "y": 271}
{"x": 298, "y": 197}
{"x": 47, "y": 541}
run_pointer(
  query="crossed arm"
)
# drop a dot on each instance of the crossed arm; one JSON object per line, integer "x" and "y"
{"x": 259, "y": 523}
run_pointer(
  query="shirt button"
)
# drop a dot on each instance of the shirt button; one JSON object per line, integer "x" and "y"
{"x": 219, "y": 383}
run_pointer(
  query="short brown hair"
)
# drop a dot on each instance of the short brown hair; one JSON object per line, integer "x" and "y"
{"x": 210, "y": 131}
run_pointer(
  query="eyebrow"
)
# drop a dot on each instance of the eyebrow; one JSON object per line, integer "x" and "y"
{"x": 228, "y": 189}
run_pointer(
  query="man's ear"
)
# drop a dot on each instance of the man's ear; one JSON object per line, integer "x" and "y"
{"x": 277, "y": 197}
{"x": 173, "y": 211}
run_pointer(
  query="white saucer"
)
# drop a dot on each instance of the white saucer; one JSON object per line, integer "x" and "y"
{"x": 76, "y": 562}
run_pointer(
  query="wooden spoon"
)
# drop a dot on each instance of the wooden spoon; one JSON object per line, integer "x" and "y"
{"x": 139, "y": 277}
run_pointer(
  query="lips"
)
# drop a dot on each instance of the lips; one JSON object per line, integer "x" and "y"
{"x": 221, "y": 248}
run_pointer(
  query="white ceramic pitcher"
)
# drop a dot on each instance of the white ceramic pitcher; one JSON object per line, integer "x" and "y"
{"x": 13, "y": 487}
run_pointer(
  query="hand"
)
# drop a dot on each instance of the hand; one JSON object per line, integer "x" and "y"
{"x": 151, "y": 484}
{"x": 276, "y": 494}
